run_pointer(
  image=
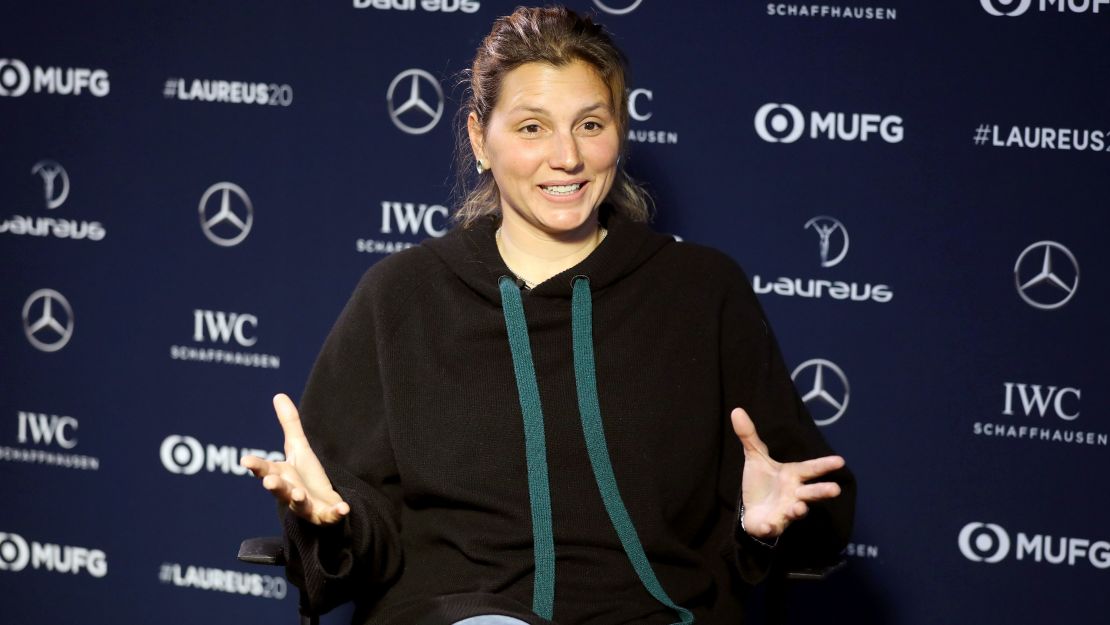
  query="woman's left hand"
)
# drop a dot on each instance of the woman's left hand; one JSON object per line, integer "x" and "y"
{"x": 777, "y": 493}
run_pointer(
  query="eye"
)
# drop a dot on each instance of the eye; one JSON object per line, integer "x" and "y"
{"x": 530, "y": 129}
{"x": 592, "y": 126}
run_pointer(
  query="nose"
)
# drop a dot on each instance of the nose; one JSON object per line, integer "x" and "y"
{"x": 564, "y": 152}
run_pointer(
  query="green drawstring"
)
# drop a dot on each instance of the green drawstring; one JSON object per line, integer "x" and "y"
{"x": 589, "y": 408}
{"x": 590, "y": 411}
{"x": 535, "y": 445}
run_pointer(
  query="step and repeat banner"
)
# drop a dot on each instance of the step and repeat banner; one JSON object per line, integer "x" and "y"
{"x": 918, "y": 191}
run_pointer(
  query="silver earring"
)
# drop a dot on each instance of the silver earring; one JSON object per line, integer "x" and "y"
{"x": 481, "y": 168}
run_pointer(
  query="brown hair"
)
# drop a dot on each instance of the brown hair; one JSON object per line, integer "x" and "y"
{"x": 556, "y": 36}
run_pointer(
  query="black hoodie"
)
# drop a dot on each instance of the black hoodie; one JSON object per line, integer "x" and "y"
{"x": 413, "y": 408}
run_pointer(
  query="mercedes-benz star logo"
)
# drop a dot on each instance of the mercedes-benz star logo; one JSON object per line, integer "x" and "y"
{"x": 821, "y": 398}
{"x": 826, "y": 227}
{"x": 49, "y": 330}
{"x": 1054, "y": 282}
{"x": 55, "y": 182}
{"x": 617, "y": 11}
{"x": 414, "y": 101}
{"x": 223, "y": 225}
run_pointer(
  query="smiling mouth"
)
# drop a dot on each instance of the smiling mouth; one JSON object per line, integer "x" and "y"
{"x": 562, "y": 189}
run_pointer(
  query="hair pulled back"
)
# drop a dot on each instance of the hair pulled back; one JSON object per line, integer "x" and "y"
{"x": 556, "y": 36}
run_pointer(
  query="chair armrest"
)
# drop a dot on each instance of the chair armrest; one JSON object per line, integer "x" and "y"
{"x": 263, "y": 550}
{"x": 817, "y": 573}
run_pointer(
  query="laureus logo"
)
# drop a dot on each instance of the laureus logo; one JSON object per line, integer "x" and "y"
{"x": 828, "y": 229}
{"x": 55, "y": 182}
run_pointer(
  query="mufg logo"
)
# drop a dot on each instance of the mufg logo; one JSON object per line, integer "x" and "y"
{"x": 785, "y": 123}
{"x": 991, "y": 543}
{"x": 185, "y": 455}
{"x": 1014, "y": 8}
{"x": 17, "y": 553}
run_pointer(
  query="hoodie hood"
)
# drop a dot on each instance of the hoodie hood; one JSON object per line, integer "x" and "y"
{"x": 471, "y": 253}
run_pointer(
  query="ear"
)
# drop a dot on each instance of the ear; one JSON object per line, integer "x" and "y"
{"x": 474, "y": 129}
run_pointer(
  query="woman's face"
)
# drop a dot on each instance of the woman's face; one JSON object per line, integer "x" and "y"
{"x": 552, "y": 144}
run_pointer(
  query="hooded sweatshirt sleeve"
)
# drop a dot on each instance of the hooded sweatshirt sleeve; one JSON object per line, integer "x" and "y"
{"x": 754, "y": 377}
{"x": 343, "y": 413}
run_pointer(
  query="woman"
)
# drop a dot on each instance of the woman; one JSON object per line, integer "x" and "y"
{"x": 526, "y": 419}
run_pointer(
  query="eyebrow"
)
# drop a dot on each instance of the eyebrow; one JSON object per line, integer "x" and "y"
{"x": 542, "y": 111}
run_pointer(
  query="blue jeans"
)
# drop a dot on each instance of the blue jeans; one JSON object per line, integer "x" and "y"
{"x": 490, "y": 619}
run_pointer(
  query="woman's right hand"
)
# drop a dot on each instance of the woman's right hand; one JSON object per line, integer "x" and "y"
{"x": 300, "y": 481}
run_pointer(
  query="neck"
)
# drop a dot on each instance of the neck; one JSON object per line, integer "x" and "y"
{"x": 535, "y": 256}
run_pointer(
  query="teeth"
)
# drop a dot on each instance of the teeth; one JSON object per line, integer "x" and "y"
{"x": 563, "y": 189}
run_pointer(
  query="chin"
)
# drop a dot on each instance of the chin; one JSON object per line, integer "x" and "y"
{"x": 565, "y": 219}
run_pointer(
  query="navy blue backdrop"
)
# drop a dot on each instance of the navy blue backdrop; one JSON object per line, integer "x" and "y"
{"x": 189, "y": 191}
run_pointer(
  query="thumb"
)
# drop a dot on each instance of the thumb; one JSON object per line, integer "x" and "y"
{"x": 290, "y": 421}
{"x": 745, "y": 430}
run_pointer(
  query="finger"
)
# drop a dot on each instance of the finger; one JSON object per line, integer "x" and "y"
{"x": 818, "y": 491}
{"x": 289, "y": 418}
{"x": 809, "y": 469}
{"x": 797, "y": 511}
{"x": 745, "y": 430}
{"x": 316, "y": 510}
{"x": 279, "y": 487}
{"x": 260, "y": 467}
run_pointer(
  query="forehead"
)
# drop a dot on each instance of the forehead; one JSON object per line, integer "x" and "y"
{"x": 552, "y": 88}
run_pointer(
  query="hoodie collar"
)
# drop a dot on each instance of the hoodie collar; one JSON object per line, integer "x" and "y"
{"x": 471, "y": 253}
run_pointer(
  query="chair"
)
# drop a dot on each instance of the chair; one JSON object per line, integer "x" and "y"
{"x": 271, "y": 551}
{"x": 268, "y": 550}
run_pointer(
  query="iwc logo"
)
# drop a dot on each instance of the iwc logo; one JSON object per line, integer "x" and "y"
{"x": 824, "y": 389}
{"x": 1046, "y": 275}
{"x": 639, "y": 110}
{"x": 415, "y": 220}
{"x": 1041, "y": 412}
{"x": 47, "y": 320}
{"x": 617, "y": 7}
{"x": 226, "y": 214}
{"x": 408, "y": 107}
